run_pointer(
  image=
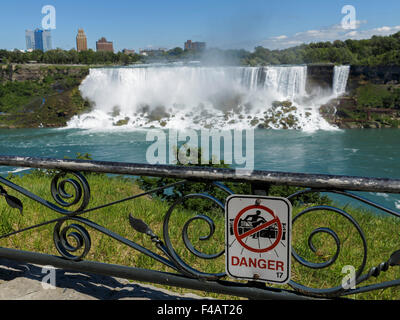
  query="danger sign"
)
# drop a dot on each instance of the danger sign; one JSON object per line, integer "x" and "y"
{"x": 258, "y": 238}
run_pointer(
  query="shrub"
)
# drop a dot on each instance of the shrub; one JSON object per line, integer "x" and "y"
{"x": 204, "y": 206}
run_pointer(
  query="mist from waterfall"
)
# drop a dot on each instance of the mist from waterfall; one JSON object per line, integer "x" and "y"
{"x": 203, "y": 97}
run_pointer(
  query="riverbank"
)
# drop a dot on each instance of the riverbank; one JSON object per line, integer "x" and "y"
{"x": 346, "y": 113}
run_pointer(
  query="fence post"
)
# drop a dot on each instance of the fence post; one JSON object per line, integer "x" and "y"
{"x": 260, "y": 189}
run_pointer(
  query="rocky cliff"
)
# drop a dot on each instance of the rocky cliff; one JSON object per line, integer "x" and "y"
{"x": 40, "y": 95}
{"x": 319, "y": 76}
{"x": 379, "y": 75}
{"x": 38, "y": 72}
{"x": 371, "y": 101}
{"x": 322, "y": 75}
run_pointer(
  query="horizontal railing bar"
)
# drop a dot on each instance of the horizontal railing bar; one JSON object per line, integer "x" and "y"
{"x": 151, "y": 276}
{"x": 317, "y": 181}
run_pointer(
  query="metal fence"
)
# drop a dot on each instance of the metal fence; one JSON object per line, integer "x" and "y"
{"x": 69, "y": 172}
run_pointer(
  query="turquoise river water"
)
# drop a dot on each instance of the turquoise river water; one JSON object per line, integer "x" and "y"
{"x": 368, "y": 153}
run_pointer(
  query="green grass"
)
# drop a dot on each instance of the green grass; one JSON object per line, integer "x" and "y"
{"x": 382, "y": 234}
{"x": 377, "y": 96}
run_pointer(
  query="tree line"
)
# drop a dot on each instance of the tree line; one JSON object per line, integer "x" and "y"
{"x": 72, "y": 56}
{"x": 379, "y": 50}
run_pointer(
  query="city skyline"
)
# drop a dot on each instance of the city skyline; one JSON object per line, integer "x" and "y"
{"x": 38, "y": 39}
{"x": 224, "y": 24}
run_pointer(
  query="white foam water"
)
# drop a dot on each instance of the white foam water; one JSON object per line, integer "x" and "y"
{"x": 340, "y": 78}
{"x": 203, "y": 97}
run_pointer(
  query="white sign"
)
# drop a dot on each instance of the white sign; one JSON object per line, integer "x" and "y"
{"x": 257, "y": 238}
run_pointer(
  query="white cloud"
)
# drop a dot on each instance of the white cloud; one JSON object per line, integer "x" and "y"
{"x": 351, "y": 34}
{"x": 331, "y": 33}
{"x": 383, "y": 29}
{"x": 279, "y": 37}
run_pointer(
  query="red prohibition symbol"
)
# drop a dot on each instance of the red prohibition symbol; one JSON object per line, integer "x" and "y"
{"x": 265, "y": 225}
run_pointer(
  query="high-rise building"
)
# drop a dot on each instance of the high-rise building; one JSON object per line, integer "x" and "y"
{"x": 81, "y": 41}
{"x": 30, "y": 40}
{"x": 39, "y": 39}
{"x": 47, "y": 45}
{"x": 104, "y": 45}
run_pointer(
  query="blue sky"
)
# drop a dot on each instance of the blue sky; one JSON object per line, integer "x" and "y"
{"x": 221, "y": 23}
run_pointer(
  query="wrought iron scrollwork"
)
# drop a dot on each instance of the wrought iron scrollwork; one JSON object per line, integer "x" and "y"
{"x": 71, "y": 192}
{"x": 334, "y": 290}
{"x": 189, "y": 245}
{"x": 80, "y": 186}
{"x": 359, "y": 277}
{"x": 167, "y": 239}
{"x": 79, "y": 235}
{"x": 58, "y": 191}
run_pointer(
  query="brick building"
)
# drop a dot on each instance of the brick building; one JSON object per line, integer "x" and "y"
{"x": 196, "y": 46}
{"x": 104, "y": 45}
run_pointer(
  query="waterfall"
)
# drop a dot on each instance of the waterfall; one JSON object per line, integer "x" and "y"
{"x": 196, "y": 96}
{"x": 289, "y": 81}
{"x": 340, "y": 78}
{"x": 251, "y": 77}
